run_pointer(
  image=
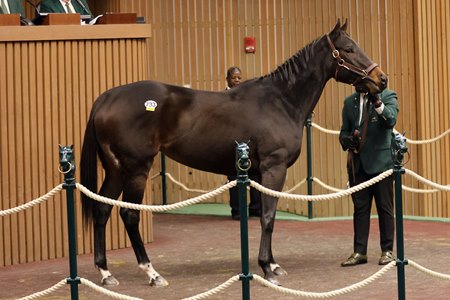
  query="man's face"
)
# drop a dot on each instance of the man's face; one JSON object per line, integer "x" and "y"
{"x": 234, "y": 79}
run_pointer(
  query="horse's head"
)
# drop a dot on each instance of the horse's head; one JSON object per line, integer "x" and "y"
{"x": 352, "y": 65}
{"x": 66, "y": 158}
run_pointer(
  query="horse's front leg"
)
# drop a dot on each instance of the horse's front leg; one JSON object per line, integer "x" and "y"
{"x": 273, "y": 179}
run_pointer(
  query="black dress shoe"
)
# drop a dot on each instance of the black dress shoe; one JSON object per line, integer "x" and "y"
{"x": 386, "y": 257}
{"x": 254, "y": 213}
{"x": 355, "y": 259}
{"x": 235, "y": 217}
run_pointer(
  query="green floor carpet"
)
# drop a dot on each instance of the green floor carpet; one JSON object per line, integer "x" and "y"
{"x": 223, "y": 210}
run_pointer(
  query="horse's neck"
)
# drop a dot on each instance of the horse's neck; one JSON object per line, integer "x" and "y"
{"x": 311, "y": 72}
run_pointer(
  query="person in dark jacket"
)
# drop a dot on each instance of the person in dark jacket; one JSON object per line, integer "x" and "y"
{"x": 366, "y": 133}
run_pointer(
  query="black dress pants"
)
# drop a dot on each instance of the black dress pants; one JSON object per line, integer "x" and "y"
{"x": 362, "y": 201}
{"x": 254, "y": 207}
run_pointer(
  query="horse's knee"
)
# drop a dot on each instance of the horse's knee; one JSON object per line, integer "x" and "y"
{"x": 102, "y": 214}
{"x": 130, "y": 217}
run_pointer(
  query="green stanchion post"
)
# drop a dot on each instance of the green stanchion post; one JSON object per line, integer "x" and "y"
{"x": 163, "y": 179}
{"x": 67, "y": 167}
{"x": 243, "y": 164}
{"x": 398, "y": 150}
{"x": 309, "y": 163}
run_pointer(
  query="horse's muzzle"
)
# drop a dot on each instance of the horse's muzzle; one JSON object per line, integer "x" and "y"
{"x": 374, "y": 83}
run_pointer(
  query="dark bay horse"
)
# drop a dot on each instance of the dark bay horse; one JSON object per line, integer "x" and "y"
{"x": 130, "y": 124}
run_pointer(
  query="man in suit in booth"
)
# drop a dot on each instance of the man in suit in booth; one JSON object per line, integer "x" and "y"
{"x": 11, "y": 7}
{"x": 65, "y": 6}
{"x": 366, "y": 132}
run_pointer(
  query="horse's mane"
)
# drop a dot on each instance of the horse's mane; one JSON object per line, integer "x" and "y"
{"x": 292, "y": 67}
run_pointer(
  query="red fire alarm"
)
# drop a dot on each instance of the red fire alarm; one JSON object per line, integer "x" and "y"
{"x": 249, "y": 44}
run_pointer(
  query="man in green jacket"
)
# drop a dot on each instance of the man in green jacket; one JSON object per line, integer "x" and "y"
{"x": 65, "y": 6}
{"x": 12, "y": 7}
{"x": 366, "y": 133}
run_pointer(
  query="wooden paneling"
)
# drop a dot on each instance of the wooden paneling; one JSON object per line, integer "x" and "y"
{"x": 47, "y": 88}
{"x": 432, "y": 91}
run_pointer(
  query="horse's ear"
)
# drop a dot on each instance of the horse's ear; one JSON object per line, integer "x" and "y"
{"x": 337, "y": 26}
{"x": 344, "y": 26}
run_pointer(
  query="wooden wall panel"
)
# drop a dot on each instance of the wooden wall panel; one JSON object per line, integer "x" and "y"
{"x": 46, "y": 92}
{"x": 400, "y": 35}
{"x": 432, "y": 90}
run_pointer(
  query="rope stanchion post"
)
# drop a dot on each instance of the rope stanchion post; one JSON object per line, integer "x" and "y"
{"x": 67, "y": 167}
{"x": 309, "y": 163}
{"x": 243, "y": 164}
{"x": 398, "y": 150}
{"x": 163, "y": 179}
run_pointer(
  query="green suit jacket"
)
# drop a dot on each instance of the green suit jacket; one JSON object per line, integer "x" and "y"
{"x": 375, "y": 155}
{"x": 55, "y": 6}
{"x": 15, "y": 7}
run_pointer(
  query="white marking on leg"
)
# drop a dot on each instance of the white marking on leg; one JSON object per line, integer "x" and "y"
{"x": 155, "y": 278}
{"x": 274, "y": 266}
{"x": 148, "y": 268}
{"x": 105, "y": 274}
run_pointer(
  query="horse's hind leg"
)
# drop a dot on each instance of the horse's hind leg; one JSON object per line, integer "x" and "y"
{"x": 111, "y": 188}
{"x": 134, "y": 192}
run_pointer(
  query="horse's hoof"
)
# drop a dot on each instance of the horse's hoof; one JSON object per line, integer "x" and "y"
{"x": 110, "y": 281}
{"x": 159, "y": 281}
{"x": 279, "y": 271}
{"x": 272, "y": 280}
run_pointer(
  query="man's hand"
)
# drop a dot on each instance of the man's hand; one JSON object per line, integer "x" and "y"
{"x": 349, "y": 142}
{"x": 375, "y": 99}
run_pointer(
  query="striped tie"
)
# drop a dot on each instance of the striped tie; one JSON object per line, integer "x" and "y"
{"x": 69, "y": 9}
{"x": 5, "y": 7}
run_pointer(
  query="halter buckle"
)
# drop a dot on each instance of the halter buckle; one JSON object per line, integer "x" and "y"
{"x": 335, "y": 53}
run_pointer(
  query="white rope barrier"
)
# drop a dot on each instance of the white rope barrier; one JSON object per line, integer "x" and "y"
{"x": 404, "y": 187}
{"x": 156, "y": 208}
{"x": 183, "y": 186}
{"x": 36, "y": 201}
{"x": 427, "y": 271}
{"x": 215, "y": 290}
{"x": 330, "y": 294}
{"x": 429, "y": 182}
{"x": 106, "y": 292}
{"x": 418, "y": 191}
{"x": 335, "y": 132}
{"x": 330, "y": 188}
{"x": 340, "y": 194}
{"x": 296, "y": 186}
{"x": 416, "y": 142}
{"x": 46, "y": 292}
{"x": 428, "y": 141}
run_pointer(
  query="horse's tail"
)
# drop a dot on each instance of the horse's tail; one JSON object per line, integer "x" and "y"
{"x": 88, "y": 167}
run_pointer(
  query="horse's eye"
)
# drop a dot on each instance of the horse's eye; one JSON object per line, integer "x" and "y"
{"x": 349, "y": 50}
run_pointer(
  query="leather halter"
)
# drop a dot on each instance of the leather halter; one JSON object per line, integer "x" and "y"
{"x": 363, "y": 74}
